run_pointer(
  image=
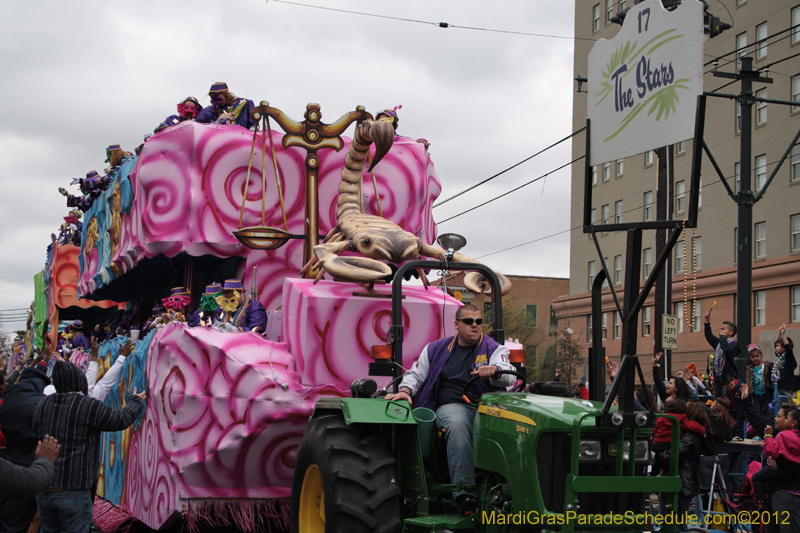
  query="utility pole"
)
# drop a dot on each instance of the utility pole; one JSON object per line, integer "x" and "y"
{"x": 745, "y": 199}
{"x": 663, "y": 286}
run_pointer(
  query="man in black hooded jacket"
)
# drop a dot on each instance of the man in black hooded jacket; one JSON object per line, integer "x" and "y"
{"x": 16, "y": 419}
{"x": 76, "y": 420}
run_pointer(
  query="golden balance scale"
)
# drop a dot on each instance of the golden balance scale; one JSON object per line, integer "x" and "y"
{"x": 312, "y": 135}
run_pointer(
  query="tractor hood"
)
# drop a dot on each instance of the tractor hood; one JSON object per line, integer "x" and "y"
{"x": 541, "y": 412}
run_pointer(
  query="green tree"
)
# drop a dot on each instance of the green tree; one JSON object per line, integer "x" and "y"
{"x": 519, "y": 325}
{"x": 565, "y": 354}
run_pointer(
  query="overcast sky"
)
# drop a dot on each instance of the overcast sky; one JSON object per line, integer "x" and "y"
{"x": 78, "y": 76}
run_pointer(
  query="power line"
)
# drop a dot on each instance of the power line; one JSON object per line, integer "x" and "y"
{"x": 674, "y": 196}
{"x": 509, "y": 168}
{"x": 717, "y": 58}
{"x": 756, "y": 44}
{"x": 437, "y": 24}
{"x": 512, "y": 190}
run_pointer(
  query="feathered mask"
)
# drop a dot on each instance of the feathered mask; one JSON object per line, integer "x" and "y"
{"x": 229, "y": 305}
{"x": 194, "y": 110}
{"x": 208, "y": 303}
{"x": 176, "y": 302}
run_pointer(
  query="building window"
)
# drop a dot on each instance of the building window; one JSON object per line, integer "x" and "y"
{"x": 796, "y": 24}
{"x": 796, "y": 233}
{"x": 679, "y": 258}
{"x": 761, "y": 107}
{"x": 682, "y": 147}
{"x": 679, "y": 313}
{"x": 618, "y": 211}
{"x": 761, "y": 171}
{"x": 622, "y": 5}
{"x": 760, "y": 239}
{"x": 795, "y": 304}
{"x": 620, "y": 167}
{"x": 596, "y": 18}
{"x": 648, "y": 205}
{"x": 738, "y": 117}
{"x": 696, "y": 317}
{"x": 617, "y": 269}
{"x": 530, "y": 311}
{"x": 609, "y": 10}
{"x": 589, "y": 328}
{"x": 795, "y": 91}
{"x": 760, "y": 302}
{"x": 735, "y": 245}
{"x": 697, "y": 253}
{"x": 617, "y": 325}
{"x": 761, "y": 41}
{"x": 700, "y": 192}
{"x": 647, "y": 261}
{"x": 605, "y": 212}
{"x": 593, "y": 217}
{"x": 606, "y": 171}
{"x": 737, "y": 171}
{"x": 648, "y": 158}
{"x": 605, "y": 326}
{"x": 591, "y": 274}
{"x": 680, "y": 196}
{"x": 645, "y": 322}
{"x": 796, "y": 163}
{"x": 741, "y": 48}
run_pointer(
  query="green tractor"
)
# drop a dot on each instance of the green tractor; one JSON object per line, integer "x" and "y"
{"x": 544, "y": 462}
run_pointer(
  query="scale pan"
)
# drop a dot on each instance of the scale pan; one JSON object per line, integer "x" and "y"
{"x": 262, "y": 237}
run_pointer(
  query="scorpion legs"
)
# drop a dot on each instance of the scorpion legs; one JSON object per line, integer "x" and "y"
{"x": 349, "y": 268}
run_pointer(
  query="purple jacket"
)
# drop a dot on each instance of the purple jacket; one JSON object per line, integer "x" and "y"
{"x": 422, "y": 381}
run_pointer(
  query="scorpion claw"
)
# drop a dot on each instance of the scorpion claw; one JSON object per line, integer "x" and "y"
{"x": 356, "y": 268}
{"x": 472, "y": 282}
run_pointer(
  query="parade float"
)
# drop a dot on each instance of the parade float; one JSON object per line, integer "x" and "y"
{"x": 200, "y": 203}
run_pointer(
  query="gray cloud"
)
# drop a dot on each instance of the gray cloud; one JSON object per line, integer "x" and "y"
{"x": 81, "y": 75}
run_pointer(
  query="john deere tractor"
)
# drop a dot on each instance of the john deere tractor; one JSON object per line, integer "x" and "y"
{"x": 544, "y": 462}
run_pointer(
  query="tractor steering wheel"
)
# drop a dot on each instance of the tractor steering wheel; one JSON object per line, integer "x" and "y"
{"x": 474, "y": 379}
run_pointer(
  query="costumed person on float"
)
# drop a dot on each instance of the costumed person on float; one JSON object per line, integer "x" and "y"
{"x": 91, "y": 187}
{"x": 175, "y": 305}
{"x": 154, "y": 320}
{"x": 226, "y": 108}
{"x": 238, "y": 312}
{"x": 204, "y": 315}
{"x": 115, "y": 155}
{"x": 188, "y": 109}
{"x": 79, "y": 340}
{"x": 71, "y": 229}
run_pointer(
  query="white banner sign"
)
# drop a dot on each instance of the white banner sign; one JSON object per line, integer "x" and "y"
{"x": 644, "y": 83}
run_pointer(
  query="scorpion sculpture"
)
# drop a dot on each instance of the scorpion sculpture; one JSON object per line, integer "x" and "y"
{"x": 372, "y": 236}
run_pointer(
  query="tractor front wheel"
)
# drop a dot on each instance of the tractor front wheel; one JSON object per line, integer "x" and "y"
{"x": 344, "y": 480}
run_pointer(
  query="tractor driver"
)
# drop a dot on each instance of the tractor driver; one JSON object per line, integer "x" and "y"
{"x": 437, "y": 380}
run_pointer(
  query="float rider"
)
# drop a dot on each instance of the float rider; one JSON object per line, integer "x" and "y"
{"x": 226, "y": 108}
{"x": 437, "y": 380}
{"x": 237, "y": 312}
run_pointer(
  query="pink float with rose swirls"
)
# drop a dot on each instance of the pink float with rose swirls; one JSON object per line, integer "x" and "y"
{"x": 226, "y": 411}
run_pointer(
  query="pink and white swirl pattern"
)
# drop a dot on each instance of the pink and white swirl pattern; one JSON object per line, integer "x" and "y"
{"x": 189, "y": 181}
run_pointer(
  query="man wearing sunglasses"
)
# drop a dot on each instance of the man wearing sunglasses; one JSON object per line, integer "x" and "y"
{"x": 437, "y": 380}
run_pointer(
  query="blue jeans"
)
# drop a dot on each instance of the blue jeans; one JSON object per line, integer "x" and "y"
{"x": 67, "y": 511}
{"x": 456, "y": 419}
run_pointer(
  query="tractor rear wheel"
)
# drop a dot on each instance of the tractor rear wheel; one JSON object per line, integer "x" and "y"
{"x": 344, "y": 480}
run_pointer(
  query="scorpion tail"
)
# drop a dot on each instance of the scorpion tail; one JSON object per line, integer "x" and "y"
{"x": 383, "y": 137}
